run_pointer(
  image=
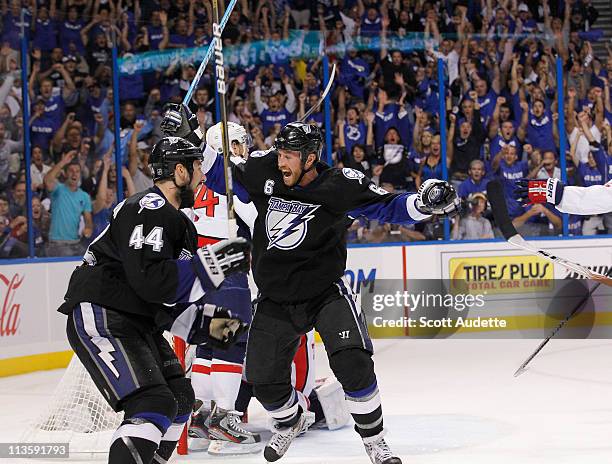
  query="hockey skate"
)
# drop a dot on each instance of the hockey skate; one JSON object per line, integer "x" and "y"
{"x": 199, "y": 439}
{"x": 283, "y": 436}
{"x": 227, "y": 435}
{"x": 378, "y": 451}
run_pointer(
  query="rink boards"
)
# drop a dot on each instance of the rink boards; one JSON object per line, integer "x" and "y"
{"x": 32, "y": 335}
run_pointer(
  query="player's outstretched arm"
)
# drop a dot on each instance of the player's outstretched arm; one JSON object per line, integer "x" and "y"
{"x": 596, "y": 199}
{"x": 179, "y": 121}
{"x": 213, "y": 169}
{"x": 434, "y": 197}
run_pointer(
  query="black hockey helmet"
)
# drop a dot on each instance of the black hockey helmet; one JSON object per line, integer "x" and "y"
{"x": 169, "y": 152}
{"x": 300, "y": 136}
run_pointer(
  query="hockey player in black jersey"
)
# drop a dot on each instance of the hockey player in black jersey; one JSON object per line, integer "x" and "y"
{"x": 299, "y": 257}
{"x": 139, "y": 276}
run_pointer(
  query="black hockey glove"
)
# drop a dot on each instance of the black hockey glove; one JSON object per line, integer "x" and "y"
{"x": 213, "y": 263}
{"x": 179, "y": 121}
{"x": 439, "y": 198}
{"x": 216, "y": 325}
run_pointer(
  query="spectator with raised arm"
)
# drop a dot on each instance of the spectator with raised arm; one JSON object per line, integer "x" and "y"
{"x": 464, "y": 146}
{"x": 68, "y": 204}
{"x": 273, "y": 112}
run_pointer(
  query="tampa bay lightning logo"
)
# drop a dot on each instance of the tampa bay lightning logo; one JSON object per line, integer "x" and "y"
{"x": 151, "y": 201}
{"x": 350, "y": 173}
{"x": 287, "y": 222}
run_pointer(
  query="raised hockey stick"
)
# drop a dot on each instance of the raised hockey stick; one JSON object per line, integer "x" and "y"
{"x": 221, "y": 88}
{"x": 495, "y": 193}
{"x": 328, "y": 87}
{"x": 209, "y": 52}
{"x": 502, "y": 218}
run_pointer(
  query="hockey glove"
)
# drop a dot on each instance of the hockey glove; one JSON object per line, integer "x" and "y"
{"x": 213, "y": 263}
{"x": 179, "y": 121}
{"x": 217, "y": 326}
{"x": 438, "y": 197}
{"x": 539, "y": 191}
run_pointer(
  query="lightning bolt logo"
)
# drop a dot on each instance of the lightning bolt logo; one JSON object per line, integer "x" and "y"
{"x": 106, "y": 348}
{"x": 286, "y": 222}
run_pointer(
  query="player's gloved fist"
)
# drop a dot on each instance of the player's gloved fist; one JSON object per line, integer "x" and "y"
{"x": 216, "y": 325}
{"x": 179, "y": 121}
{"x": 539, "y": 191}
{"x": 213, "y": 263}
{"x": 438, "y": 197}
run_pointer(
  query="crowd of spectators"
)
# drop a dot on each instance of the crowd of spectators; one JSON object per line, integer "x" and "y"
{"x": 499, "y": 62}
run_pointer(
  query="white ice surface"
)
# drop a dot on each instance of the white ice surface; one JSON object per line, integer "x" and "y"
{"x": 445, "y": 401}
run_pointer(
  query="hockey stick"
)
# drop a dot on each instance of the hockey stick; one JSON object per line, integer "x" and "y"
{"x": 221, "y": 88}
{"x": 328, "y": 87}
{"x": 209, "y": 52}
{"x": 523, "y": 366}
{"x": 502, "y": 218}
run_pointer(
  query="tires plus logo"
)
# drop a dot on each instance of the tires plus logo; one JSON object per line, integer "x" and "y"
{"x": 287, "y": 222}
{"x": 9, "y": 317}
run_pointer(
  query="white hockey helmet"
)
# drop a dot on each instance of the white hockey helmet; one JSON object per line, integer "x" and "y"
{"x": 236, "y": 133}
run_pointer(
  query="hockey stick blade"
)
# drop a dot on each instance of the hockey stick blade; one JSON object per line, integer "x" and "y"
{"x": 328, "y": 87}
{"x": 495, "y": 192}
{"x": 523, "y": 366}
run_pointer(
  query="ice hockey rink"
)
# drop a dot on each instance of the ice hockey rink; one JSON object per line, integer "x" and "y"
{"x": 445, "y": 401}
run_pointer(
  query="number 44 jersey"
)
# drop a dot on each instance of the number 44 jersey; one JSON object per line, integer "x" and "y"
{"x": 141, "y": 262}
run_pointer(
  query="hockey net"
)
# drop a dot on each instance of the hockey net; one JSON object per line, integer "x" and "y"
{"x": 79, "y": 415}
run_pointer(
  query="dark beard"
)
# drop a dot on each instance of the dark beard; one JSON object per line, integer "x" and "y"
{"x": 187, "y": 196}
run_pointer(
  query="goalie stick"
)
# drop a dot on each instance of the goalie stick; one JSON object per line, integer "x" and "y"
{"x": 502, "y": 218}
{"x": 495, "y": 194}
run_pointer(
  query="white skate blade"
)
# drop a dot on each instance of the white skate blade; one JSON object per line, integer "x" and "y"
{"x": 226, "y": 448}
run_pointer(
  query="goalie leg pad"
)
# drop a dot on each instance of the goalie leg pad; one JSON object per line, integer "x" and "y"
{"x": 333, "y": 403}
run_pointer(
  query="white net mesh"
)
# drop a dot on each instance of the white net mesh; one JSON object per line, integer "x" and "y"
{"x": 77, "y": 414}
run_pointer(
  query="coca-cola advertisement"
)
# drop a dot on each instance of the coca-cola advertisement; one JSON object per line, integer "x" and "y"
{"x": 29, "y": 297}
{"x": 11, "y": 304}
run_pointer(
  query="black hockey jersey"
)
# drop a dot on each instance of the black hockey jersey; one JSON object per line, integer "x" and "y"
{"x": 141, "y": 262}
{"x": 299, "y": 244}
